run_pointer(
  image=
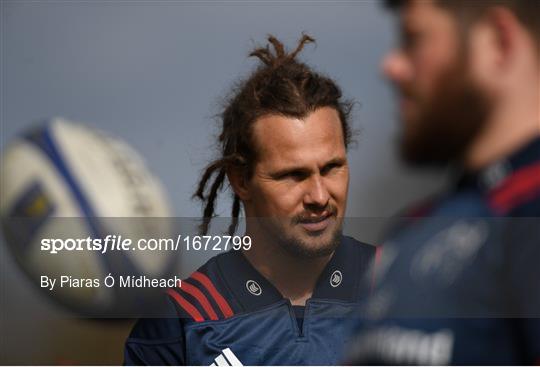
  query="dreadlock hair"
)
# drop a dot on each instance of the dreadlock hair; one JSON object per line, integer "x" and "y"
{"x": 281, "y": 85}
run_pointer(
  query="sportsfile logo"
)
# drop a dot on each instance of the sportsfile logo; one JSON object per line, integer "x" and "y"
{"x": 226, "y": 358}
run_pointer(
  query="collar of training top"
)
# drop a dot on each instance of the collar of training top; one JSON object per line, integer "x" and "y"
{"x": 340, "y": 279}
{"x": 525, "y": 163}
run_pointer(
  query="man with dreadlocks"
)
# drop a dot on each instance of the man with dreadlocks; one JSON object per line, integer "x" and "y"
{"x": 287, "y": 299}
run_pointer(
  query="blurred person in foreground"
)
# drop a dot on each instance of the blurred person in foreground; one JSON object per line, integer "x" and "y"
{"x": 283, "y": 144}
{"x": 458, "y": 281}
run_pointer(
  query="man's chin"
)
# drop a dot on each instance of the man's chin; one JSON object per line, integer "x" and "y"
{"x": 312, "y": 244}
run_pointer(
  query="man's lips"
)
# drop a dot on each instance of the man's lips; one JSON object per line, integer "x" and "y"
{"x": 316, "y": 224}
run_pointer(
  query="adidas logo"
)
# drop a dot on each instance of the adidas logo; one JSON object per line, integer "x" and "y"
{"x": 226, "y": 358}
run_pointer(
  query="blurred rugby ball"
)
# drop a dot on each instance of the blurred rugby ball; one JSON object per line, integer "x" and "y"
{"x": 62, "y": 179}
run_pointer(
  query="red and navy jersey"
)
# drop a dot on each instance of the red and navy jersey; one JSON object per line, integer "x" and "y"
{"x": 461, "y": 284}
{"x": 227, "y": 313}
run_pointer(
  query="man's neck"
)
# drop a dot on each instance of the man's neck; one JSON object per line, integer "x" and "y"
{"x": 507, "y": 131}
{"x": 295, "y": 278}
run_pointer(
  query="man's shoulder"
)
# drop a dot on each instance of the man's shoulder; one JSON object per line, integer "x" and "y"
{"x": 157, "y": 340}
{"x": 201, "y": 297}
{"x": 163, "y": 327}
{"x": 204, "y": 295}
{"x": 517, "y": 196}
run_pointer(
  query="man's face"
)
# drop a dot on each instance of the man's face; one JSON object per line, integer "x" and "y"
{"x": 298, "y": 190}
{"x": 441, "y": 107}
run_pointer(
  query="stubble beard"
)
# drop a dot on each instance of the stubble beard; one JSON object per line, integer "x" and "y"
{"x": 448, "y": 121}
{"x": 300, "y": 246}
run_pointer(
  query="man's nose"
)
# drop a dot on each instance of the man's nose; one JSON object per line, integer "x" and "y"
{"x": 317, "y": 194}
{"x": 396, "y": 67}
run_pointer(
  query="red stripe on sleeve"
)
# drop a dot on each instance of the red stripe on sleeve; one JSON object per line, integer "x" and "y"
{"x": 520, "y": 187}
{"x": 201, "y": 298}
{"x": 184, "y": 303}
{"x": 207, "y": 283}
{"x": 376, "y": 261}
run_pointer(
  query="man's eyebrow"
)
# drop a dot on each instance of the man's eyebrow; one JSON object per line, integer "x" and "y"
{"x": 336, "y": 161}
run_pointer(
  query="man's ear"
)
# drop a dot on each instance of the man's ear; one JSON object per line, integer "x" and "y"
{"x": 506, "y": 30}
{"x": 493, "y": 45}
{"x": 239, "y": 182}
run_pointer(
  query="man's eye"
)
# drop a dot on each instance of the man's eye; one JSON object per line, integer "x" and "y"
{"x": 295, "y": 175}
{"x": 408, "y": 43}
